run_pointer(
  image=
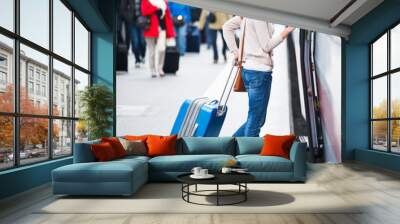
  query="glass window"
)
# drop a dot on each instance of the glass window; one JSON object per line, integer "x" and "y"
{"x": 7, "y": 14}
{"x": 62, "y": 29}
{"x": 379, "y": 57}
{"x": 81, "y": 82}
{"x": 6, "y": 74}
{"x": 395, "y": 95}
{"x": 44, "y": 91}
{"x": 62, "y": 138}
{"x": 34, "y": 79}
{"x": 388, "y": 81}
{"x": 395, "y": 47}
{"x": 379, "y": 135}
{"x": 81, "y": 131}
{"x": 379, "y": 97}
{"x": 62, "y": 72}
{"x": 34, "y": 21}
{"x": 33, "y": 140}
{"x": 40, "y": 62}
{"x": 30, "y": 87}
{"x": 30, "y": 71}
{"x": 38, "y": 89}
{"x": 81, "y": 45}
{"x": 6, "y": 142}
{"x": 395, "y": 136}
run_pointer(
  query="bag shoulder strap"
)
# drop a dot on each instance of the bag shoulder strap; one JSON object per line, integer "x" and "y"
{"x": 241, "y": 43}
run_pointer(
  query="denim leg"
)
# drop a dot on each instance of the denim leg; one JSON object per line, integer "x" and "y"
{"x": 135, "y": 43}
{"x": 242, "y": 130}
{"x": 177, "y": 38}
{"x": 213, "y": 37}
{"x": 142, "y": 43}
{"x": 224, "y": 46}
{"x": 259, "y": 84}
{"x": 181, "y": 39}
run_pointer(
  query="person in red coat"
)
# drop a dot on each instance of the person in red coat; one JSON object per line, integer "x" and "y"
{"x": 160, "y": 31}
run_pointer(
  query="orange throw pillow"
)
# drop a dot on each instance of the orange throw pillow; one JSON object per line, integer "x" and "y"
{"x": 277, "y": 145}
{"x": 116, "y": 145}
{"x": 103, "y": 152}
{"x": 136, "y": 137}
{"x": 161, "y": 145}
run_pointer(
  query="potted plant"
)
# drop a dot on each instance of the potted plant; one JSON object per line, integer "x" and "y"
{"x": 97, "y": 103}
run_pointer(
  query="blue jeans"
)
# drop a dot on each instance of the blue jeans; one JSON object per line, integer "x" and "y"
{"x": 258, "y": 86}
{"x": 180, "y": 38}
{"x": 138, "y": 43}
{"x": 213, "y": 37}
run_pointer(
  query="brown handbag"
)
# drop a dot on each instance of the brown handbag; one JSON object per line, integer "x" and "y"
{"x": 239, "y": 84}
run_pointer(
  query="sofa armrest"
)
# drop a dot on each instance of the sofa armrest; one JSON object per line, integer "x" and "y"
{"x": 298, "y": 157}
{"x": 83, "y": 152}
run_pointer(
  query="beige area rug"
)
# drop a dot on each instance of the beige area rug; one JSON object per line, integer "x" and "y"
{"x": 166, "y": 198}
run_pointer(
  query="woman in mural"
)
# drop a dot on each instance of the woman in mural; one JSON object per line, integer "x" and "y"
{"x": 259, "y": 43}
{"x": 156, "y": 35}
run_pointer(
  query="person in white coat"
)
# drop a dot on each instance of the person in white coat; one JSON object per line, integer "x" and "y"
{"x": 259, "y": 43}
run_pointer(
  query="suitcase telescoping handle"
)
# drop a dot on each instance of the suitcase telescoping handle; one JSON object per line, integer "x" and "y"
{"x": 222, "y": 106}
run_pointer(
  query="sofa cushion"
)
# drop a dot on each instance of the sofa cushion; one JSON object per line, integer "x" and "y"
{"x": 275, "y": 145}
{"x": 83, "y": 152}
{"x": 103, "y": 152}
{"x": 207, "y": 145}
{"x": 136, "y": 147}
{"x": 257, "y": 163}
{"x": 116, "y": 145}
{"x": 161, "y": 145}
{"x": 185, "y": 163}
{"x": 248, "y": 145}
{"x": 112, "y": 171}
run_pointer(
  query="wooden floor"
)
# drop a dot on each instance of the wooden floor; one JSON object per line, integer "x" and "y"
{"x": 378, "y": 189}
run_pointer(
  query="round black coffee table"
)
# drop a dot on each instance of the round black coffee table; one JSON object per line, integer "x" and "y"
{"x": 238, "y": 179}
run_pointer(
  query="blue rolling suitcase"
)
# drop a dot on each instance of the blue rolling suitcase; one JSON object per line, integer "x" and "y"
{"x": 202, "y": 117}
{"x": 199, "y": 117}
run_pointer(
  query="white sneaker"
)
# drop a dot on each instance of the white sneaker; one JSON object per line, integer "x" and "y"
{"x": 137, "y": 65}
{"x": 161, "y": 72}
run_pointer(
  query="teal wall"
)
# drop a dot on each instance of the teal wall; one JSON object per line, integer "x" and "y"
{"x": 99, "y": 15}
{"x": 103, "y": 64}
{"x": 24, "y": 178}
{"x": 356, "y": 84}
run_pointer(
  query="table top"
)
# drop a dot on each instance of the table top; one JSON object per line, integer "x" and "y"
{"x": 220, "y": 178}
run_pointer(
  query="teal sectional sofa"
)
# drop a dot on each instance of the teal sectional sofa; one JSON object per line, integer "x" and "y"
{"x": 125, "y": 176}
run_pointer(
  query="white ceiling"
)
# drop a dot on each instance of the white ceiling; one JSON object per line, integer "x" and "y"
{"x": 318, "y": 15}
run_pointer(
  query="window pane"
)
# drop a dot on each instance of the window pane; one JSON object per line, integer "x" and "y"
{"x": 379, "y": 135}
{"x": 81, "y": 81}
{"x": 6, "y": 74}
{"x": 35, "y": 21}
{"x": 7, "y": 14}
{"x": 81, "y": 131}
{"x": 395, "y": 136}
{"x": 62, "y": 138}
{"x": 62, "y": 29}
{"x": 34, "y": 72}
{"x": 81, "y": 45}
{"x": 395, "y": 94}
{"x": 395, "y": 47}
{"x": 379, "y": 55}
{"x": 6, "y": 142}
{"x": 33, "y": 140}
{"x": 379, "y": 97}
{"x": 62, "y": 89}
